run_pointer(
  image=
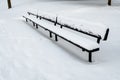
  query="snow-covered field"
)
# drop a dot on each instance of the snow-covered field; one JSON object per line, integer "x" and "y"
{"x": 26, "y": 54}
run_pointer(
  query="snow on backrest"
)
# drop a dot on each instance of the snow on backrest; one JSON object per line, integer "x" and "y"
{"x": 89, "y": 27}
{"x": 47, "y": 15}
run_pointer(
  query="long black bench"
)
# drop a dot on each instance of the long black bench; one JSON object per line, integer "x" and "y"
{"x": 81, "y": 42}
{"x": 98, "y": 31}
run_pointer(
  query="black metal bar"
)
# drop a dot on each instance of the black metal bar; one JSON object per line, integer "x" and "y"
{"x": 61, "y": 26}
{"x": 90, "y": 57}
{"x": 37, "y": 16}
{"x": 50, "y": 34}
{"x": 56, "y": 39}
{"x": 97, "y": 49}
{"x": 40, "y": 17}
{"x": 106, "y": 35}
{"x": 98, "y": 40}
{"x": 26, "y": 20}
{"x": 33, "y": 23}
{"x": 55, "y": 23}
{"x": 31, "y": 13}
{"x": 36, "y": 26}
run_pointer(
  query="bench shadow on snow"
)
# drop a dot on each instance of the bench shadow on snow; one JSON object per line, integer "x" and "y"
{"x": 73, "y": 51}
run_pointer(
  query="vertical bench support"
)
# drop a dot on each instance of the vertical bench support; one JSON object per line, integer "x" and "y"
{"x": 36, "y": 16}
{"x": 33, "y": 24}
{"x": 26, "y": 20}
{"x": 56, "y": 21}
{"x": 106, "y": 35}
{"x": 56, "y": 39}
{"x": 61, "y": 26}
{"x": 36, "y": 26}
{"x": 50, "y": 34}
{"x": 40, "y": 17}
{"x": 98, "y": 40}
{"x": 90, "y": 57}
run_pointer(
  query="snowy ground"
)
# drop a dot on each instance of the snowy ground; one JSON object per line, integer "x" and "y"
{"x": 26, "y": 54}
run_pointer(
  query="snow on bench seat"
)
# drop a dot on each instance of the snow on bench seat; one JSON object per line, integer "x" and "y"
{"x": 81, "y": 41}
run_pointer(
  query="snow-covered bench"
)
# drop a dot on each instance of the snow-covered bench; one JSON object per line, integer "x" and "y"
{"x": 96, "y": 30}
{"x": 81, "y": 42}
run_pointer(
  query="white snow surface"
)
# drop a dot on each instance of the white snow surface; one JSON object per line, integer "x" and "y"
{"x": 26, "y": 54}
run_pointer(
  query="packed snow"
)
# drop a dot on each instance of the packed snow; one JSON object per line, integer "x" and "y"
{"x": 26, "y": 54}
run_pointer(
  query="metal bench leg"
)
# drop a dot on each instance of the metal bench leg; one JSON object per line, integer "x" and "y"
{"x": 106, "y": 34}
{"x": 98, "y": 40}
{"x": 90, "y": 57}
{"x": 56, "y": 39}
{"x": 37, "y": 16}
{"x": 26, "y": 20}
{"x": 61, "y": 26}
{"x": 40, "y": 17}
{"x": 55, "y": 23}
{"x": 36, "y": 26}
{"x": 50, "y": 34}
{"x": 33, "y": 24}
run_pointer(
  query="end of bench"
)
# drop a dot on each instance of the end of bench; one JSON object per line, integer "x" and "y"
{"x": 106, "y": 34}
{"x": 90, "y": 54}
